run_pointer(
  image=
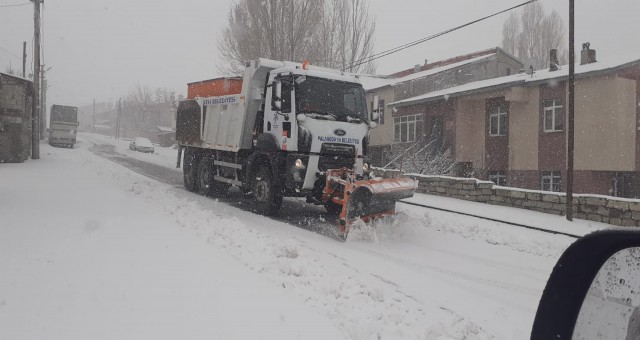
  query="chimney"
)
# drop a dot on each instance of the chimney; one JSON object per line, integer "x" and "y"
{"x": 553, "y": 60}
{"x": 587, "y": 55}
{"x": 425, "y": 62}
{"x": 416, "y": 68}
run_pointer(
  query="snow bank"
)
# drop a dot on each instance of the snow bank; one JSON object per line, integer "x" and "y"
{"x": 83, "y": 259}
{"x": 420, "y": 275}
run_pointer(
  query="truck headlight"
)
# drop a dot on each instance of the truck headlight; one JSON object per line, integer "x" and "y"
{"x": 299, "y": 164}
{"x": 365, "y": 167}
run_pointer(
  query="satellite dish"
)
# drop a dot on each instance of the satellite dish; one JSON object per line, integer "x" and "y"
{"x": 529, "y": 64}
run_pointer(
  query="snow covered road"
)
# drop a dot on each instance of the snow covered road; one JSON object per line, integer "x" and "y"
{"x": 428, "y": 275}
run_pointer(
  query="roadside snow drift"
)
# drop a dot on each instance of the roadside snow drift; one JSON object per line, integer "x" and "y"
{"x": 94, "y": 250}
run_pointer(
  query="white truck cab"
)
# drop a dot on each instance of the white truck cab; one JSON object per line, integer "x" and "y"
{"x": 320, "y": 118}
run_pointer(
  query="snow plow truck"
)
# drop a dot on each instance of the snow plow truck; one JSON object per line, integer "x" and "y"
{"x": 294, "y": 130}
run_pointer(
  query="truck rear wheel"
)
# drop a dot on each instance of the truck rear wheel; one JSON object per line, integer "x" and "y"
{"x": 204, "y": 176}
{"x": 206, "y": 185}
{"x": 265, "y": 193}
{"x": 190, "y": 170}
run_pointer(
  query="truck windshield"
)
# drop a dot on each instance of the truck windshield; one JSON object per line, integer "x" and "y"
{"x": 64, "y": 114}
{"x": 325, "y": 96}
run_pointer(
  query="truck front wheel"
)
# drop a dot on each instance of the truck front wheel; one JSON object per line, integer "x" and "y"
{"x": 333, "y": 208}
{"x": 190, "y": 170}
{"x": 265, "y": 193}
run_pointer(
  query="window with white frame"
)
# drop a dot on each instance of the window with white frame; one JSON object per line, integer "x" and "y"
{"x": 553, "y": 115}
{"x": 498, "y": 121}
{"x": 407, "y": 128}
{"x": 551, "y": 181}
{"x": 498, "y": 177}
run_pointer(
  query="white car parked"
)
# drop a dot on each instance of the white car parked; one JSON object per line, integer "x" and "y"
{"x": 141, "y": 144}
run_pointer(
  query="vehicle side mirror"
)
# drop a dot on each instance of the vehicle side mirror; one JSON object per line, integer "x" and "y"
{"x": 593, "y": 291}
{"x": 375, "y": 111}
{"x": 277, "y": 95}
{"x": 611, "y": 310}
{"x": 376, "y": 103}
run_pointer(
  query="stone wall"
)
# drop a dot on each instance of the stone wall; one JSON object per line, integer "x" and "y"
{"x": 612, "y": 210}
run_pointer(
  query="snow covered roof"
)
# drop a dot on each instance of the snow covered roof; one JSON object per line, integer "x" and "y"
{"x": 542, "y": 76}
{"x": 432, "y": 71}
{"x": 370, "y": 82}
{"x": 164, "y": 128}
{"x": 375, "y": 83}
{"x": 15, "y": 76}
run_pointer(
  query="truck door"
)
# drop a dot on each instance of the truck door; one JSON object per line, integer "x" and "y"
{"x": 276, "y": 122}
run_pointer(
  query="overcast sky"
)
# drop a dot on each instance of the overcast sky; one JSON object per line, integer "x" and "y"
{"x": 101, "y": 48}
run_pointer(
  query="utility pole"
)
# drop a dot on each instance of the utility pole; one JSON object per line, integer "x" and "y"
{"x": 35, "y": 140}
{"x": 24, "y": 59}
{"x": 570, "y": 132}
{"x": 93, "y": 127}
{"x": 43, "y": 106}
{"x": 118, "y": 119}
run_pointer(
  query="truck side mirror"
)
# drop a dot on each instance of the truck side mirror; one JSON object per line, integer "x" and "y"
{"x": 277, "y": 95}
{"x": 375, "y": 114}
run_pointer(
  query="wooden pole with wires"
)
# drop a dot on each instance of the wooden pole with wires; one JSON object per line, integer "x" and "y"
{"x": 93, "y": 126}
{"x": 571, "y": 129}
{"x": 35, "y": 126}
{"x": 24, "y": 59}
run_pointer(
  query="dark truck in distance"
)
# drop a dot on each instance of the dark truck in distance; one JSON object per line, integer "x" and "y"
{"x": 63, "y": 126}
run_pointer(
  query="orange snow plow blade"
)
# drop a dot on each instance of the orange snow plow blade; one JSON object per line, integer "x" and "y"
{"x": 364, "y": 199}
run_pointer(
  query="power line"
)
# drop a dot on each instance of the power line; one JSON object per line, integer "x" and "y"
{"x": 15, "y": 5}
{"x": 419, "y": 41}
{"x": 10, "y": 53}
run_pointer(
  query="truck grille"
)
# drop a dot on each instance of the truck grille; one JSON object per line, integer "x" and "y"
{"x": 338, "y": 150}
{"x": 336, "y": 156}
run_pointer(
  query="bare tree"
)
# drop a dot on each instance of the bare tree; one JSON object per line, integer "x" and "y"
{"x": 136, "y": 107}
{"x": 428, "y": 157}
{"x": 331, "y": 33}
{"x": 553, "y": 33}
{"x": 144, "y": 108}
{"x": 162, "y": 95}
{"x": 354, "y": 28}
{"x": 528, "y": 40}
{"x": 533, "y": 34}
{"x": 510, "y": 31}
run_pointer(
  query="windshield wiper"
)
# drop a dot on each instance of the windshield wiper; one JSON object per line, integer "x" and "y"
{"x": 325, "y": 116}
{"x": 355, "y": 119}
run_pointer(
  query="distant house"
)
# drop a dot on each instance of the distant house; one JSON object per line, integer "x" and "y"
{"x": 16, "y": 98}
{"x": 512, "y": 130}
{"x": 421, "y": 79}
